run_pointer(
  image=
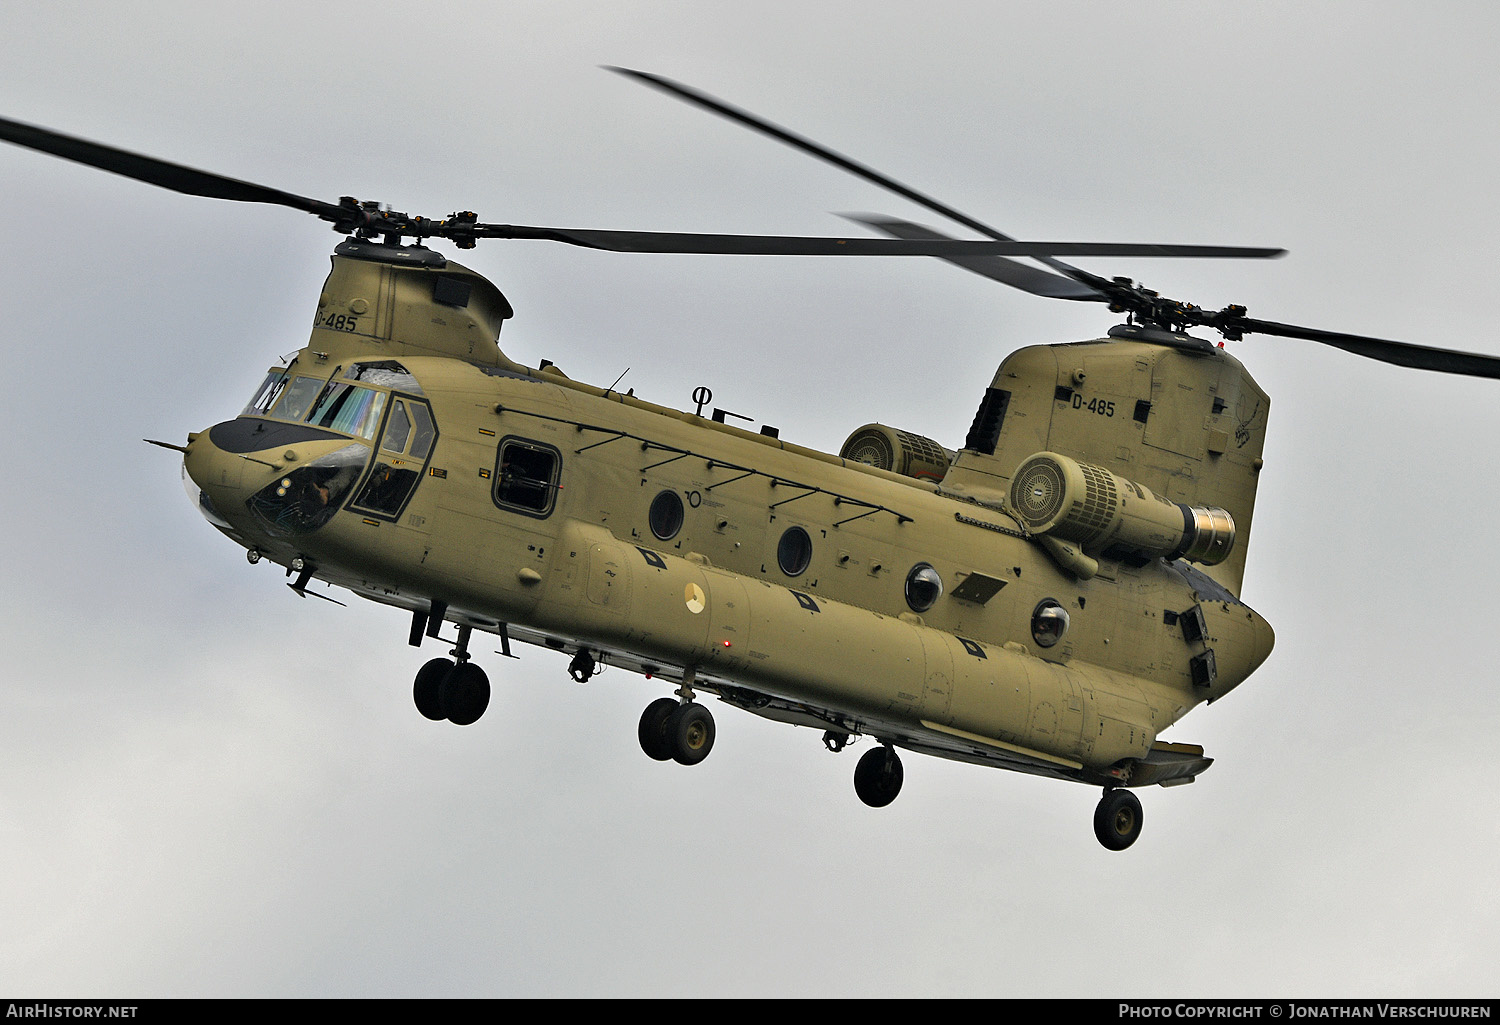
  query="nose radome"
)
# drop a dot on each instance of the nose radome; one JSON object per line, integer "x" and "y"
{"x": 212, "y": 468}
{"x": 215, "y": 479}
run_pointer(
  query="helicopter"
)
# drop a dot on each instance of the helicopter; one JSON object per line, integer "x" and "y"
{"x": 1049, "y": 597}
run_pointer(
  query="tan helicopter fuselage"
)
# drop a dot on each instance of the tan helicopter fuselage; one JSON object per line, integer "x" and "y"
{"x": 741, "y": 564}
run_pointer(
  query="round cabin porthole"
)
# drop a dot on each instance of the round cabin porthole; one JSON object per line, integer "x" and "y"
{"x": 794, "y": 552}
{"x": 1049, "y": 621}
{"x": 665, "y": 515}
{"x": 923, "y": 587}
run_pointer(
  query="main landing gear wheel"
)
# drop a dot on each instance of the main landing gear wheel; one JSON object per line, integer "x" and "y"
{"x": 878, "y": 776}
{"x": 456, "y": 691}
{"x": 673, "y": 731}
{"x": 690, "y": 729}
{"x": 464, "y": 693}
{"x": 1117, "y": 819}
{"x": 425, "y": 690}
{"x": 653, "y": 728}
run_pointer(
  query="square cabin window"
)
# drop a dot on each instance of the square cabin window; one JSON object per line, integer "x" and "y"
{"x": 526, "y": 476}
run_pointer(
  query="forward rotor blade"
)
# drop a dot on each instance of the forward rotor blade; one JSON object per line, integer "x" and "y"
{"x": 854, "y": 167}
{"x": 1403, "y": 354}
{"x": 996, "y": 268}
{"x": 158, "y": 172}
{"x": 791, "y": 245}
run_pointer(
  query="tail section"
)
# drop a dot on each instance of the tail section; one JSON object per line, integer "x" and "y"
{"x": 1183, "y": 419}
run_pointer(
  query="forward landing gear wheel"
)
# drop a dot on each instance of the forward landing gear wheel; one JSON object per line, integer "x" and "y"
{"x": 1117, "y": 819}
{"x": 425, "y": 690}
{"x": 690, "y": 729}
{"x": 878, "y": 776}
{"x": 653, "y": 728}
{"x": 464, "y": 693}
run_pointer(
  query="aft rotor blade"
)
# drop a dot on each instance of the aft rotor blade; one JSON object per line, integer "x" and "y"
{"x": 791, "y": 245}
{"x": 996, "y": 268}
{"x": 158, "y": 172}
{"x": 854, "y": 167}
{"x": 1404, "y": 354}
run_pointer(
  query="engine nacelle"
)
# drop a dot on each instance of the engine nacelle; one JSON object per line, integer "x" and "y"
{"x": 889, "y": 448}
{"x": 1102, "y": 513}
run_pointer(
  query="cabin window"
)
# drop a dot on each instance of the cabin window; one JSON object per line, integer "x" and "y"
{"x": 794, "y": 552}
{"x": 666, "y": 515}
{"x": 1049, "y": 621}
{"x": 924, "y": 586}
{"x": 526, "y": 477}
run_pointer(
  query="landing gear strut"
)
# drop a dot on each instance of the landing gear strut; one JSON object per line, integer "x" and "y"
{"x": 878, "y": 776}
{"x": 1117, "y": 819}
{"x": 458, "y": 691}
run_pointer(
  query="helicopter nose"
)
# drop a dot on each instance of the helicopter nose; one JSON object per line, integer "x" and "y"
{"x": 214, "y": 479}
{"x": 272, "y": 479}
{"x": 210, "y": 467}
{"x": 199, "y": 497}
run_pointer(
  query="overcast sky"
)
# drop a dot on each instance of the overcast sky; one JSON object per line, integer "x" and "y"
{"x": 213, "y": 788}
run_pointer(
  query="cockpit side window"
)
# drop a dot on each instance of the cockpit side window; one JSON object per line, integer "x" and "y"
{"x": 395, "y": 476}
{"x": 423, "y": 430}
{"x": 397, "y": 429}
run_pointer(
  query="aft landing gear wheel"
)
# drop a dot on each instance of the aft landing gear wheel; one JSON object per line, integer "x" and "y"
{"x": 878, "y": 776}
{"x": 464, "y": 693}
{"x": 425, "y": 690}
{"x": 690, "y": 731}
{"x": 653, "y": 728}
{"x": 1117, "y": 819}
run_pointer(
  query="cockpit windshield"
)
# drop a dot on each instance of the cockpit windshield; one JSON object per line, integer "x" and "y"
{"x": 336, "y": 403}
{"x": 283, "y": 397}
{"x": 266, "y": 395}
{"x": 299, "y": 396}
{"x": 349, "y": 409}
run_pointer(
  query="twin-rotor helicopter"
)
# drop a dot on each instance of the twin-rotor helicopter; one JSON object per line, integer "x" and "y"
{"x": 1048, "y": 598}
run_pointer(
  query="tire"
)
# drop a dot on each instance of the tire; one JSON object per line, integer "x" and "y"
{"x": 426, "y": 690}
{"x": 465, "y": 694}
{"x": 1118, "y": 819}
{"x": 878, "y": 776}
{"x": 653, "y": 729}
{"x": 691, "y": 731}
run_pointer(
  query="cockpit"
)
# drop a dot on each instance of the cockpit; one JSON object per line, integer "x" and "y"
{"x": 347, "y": 403}
{"x": 378, "y": 406}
